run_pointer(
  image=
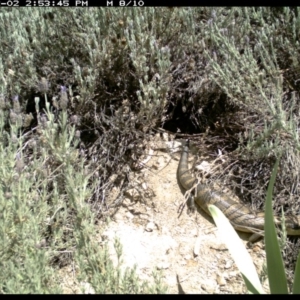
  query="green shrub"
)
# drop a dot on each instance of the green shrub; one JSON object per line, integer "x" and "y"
{"x": 112, "y": 77}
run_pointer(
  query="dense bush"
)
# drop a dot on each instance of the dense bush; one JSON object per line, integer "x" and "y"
{"x": 80, "y": 90}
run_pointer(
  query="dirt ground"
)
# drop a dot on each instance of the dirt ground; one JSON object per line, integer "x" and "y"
{"x": 187, "y": 248}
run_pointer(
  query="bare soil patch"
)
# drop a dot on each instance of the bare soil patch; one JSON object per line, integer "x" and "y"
{"x": 188, "y": 249}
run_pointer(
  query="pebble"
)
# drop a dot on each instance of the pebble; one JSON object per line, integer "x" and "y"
{"x": 197, "y": 247}
{"x": 228, "y": 264}
{"x": 188, "y": 257}
{"x": 129, "y": 215}
{"x": 220, "y": 279}
{"x": 150, "y": 227}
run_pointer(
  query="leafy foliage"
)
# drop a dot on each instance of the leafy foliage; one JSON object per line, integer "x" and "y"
{"x": 81, "y": 90}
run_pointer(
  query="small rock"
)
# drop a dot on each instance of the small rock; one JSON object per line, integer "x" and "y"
{"x": 256, "y": 248}
{"x": 220, "y": 279}
{"x": 150, "y": 227}
{"x": 129, "y": 215}
{"x": 188, "y": 257}
{"x": 126, "y": 202}
{"x": 133, "y": 194}
{"x": 233, "y": 274}
{"x": 197, "y": 246}
{"x": 228, "y": 264}
{"x": 144, "y": 216}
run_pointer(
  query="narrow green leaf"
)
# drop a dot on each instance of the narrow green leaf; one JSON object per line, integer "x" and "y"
{"x": 296, "y": 286}
{"x": 237, "y": 250}
{"x": 276, "y": 272}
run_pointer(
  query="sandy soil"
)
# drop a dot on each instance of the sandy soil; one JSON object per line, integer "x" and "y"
{"x": 186, "y": 247}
